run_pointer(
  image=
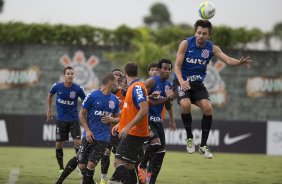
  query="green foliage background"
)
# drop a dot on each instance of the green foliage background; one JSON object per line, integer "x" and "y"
{"x": 142, "y": 45}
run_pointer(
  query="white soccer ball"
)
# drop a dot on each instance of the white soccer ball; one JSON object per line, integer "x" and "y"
{"x": 206, "y": 10}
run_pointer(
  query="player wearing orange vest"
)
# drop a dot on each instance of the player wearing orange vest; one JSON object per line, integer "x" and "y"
{"x": 133, "y": 127}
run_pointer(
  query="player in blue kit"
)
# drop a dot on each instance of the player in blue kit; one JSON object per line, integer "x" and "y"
{"x": 99, "y": 109}
{"x": 193, "y": 56}
{"x": 160, "y": 94}
{"x": 67, "y": 112}
{"x": 120, "y": 92}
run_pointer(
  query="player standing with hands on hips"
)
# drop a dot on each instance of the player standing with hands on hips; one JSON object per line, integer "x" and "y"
{"x": 193, "y": 56}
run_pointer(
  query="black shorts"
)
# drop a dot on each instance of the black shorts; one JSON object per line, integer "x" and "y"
{"x": 129, "y": 148}
{"x": 157, "y": 131}
{"x": 114, "y": 141}
{"x": 63, "y": 128}
{"x": 91, "y": 151}
{"x": 197, "y": 92}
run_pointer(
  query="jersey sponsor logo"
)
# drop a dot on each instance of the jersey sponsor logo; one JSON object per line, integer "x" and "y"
{"x": 194, "y": 78}
{"x": 232, "y": 140}
{"x": 83, "y": 69}
{"x": 65, "y": 102}
{"x": 72, "y": 94}
{"x": 196, "y": 61}
{"x": 205, "y": 53}
{"x": 102, "y": 113}
{"x": 3, "y": 132}
{"x": 139, "y": 92}
{"x": 155, "y": 119}
{"x": 111, "y": 104}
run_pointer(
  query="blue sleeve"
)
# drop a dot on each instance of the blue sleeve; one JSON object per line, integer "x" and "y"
{"x": 53, "y": 89}
{"x": 87, "y": 102}
{"x": 138, "y": 95}
{"x": 170, "y": 84}
{"x": 81, "y": 93}
{"x": 117, "y": 110}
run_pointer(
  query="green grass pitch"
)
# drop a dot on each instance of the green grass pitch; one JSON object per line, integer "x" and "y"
{"x": 38, "y": 166}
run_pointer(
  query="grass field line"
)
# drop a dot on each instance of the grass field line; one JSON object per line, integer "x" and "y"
{"x": 13, "y": 176}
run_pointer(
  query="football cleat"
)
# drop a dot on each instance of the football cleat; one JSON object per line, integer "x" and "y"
{"x": 205, "y": 151}
{"x": 142, "y": 174}
{"x": 190, "y": 146}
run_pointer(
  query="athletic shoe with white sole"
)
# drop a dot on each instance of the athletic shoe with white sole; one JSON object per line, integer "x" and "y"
{"x": 190, "y": 146}
{"x": 205, "y": 151}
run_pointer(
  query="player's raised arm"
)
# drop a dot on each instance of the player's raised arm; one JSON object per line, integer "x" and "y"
{"x": 245, "y": 61}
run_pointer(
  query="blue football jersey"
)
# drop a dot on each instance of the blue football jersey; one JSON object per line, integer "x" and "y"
{"x": 196, "y": 60}
{"x": 66, "y": 101}
{"x": 98, "y": 105}
{"x": 155, "y": 111}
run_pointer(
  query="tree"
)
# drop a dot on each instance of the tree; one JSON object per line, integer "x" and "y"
{"x": 143, "y": 52}
{"x": 1, "y": 5}
{"x": 159, "y": 17}
{"x": 277, "y": 30}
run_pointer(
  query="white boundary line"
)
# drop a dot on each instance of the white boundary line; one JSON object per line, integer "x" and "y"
{"x": 13, "y": 176}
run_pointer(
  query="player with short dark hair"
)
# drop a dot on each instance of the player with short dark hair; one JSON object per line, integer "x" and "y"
{"x": 99, "y": 109}
{"x": 153, "y": 69}
{"x": 133, "y": 127}
{"x": 160, "y": 94}
{"x": 120, "y": 92}
{"x": 193, "y": 56}
{"x": 67, "y": 120}
{"x": 114, "y": 140}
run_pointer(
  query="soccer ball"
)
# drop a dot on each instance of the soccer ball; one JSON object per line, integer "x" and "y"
{"x": 206, "y": 10}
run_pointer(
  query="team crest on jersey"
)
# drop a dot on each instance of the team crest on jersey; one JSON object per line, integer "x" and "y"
{"x": 205, "y": 53}
{"x": 72, "y": 94}
{"x": 111, "y": 104}
{"x": 83, "y": 70}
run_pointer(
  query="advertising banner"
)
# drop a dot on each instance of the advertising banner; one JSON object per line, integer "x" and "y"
{"x": 274, "y": 138}
{"x": 225, "y": 136}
